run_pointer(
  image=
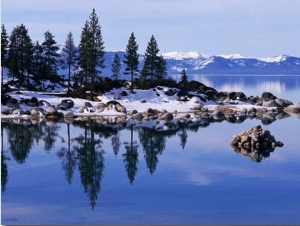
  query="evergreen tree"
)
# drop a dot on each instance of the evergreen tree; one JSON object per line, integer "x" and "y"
{"x": 85, "y": 49}
{"x": 38, "y": 63}
{"x": 149, "y": 70}
{"x": 131, "y": 58}
{"x": 4, "y": 50}
{"x": 184, "y": 80}
{"x": 70, "y": 56}
{"x": 116, "y": 67}
{"x": 50, "y": 55}
{"x": 161, "y": 70}
{"x": 20, "y": 53}
{"x": 92, "y": 50}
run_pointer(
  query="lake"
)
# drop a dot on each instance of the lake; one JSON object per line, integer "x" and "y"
{"x": 87, "y": 172}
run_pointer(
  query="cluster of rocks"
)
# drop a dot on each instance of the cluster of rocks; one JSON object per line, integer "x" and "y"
{"x": 255, "y": 143}
{"x": 42, "y": 109}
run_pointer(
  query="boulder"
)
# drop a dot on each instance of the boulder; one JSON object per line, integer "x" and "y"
{"x": 283, "y": 102}
{"x": 51, "y": 110}
{"x": 67, "y": 103}
{"x": 138, "y": 116}
{"x": 88, "y": 104}
{"x": 255, "y": 143}
{"x": 268, "y": 96}
{"x": 4, "y": 98}
{"x": 270, "y": 103}
{"x": 167, "y": 116}
{"x": 44, "y": 103}
{"x": 12, "y": 103}
{"x": 120, "y": 108}
{"x": 33, "y": 102}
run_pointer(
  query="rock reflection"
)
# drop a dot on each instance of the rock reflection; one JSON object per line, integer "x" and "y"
{"x": 255, "y": 143}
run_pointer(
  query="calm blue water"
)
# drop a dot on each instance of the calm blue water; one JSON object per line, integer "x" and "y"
{"x": 88, "y": 173}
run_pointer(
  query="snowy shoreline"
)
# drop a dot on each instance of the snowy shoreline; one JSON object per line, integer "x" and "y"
{"x": 160, "y": 103}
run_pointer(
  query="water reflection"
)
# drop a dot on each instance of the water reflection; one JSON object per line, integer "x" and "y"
{"x": 252, "y": 84}
{"x": 84, "y": 149}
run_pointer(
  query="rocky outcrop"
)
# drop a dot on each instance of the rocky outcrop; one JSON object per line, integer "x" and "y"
{"x": 255, "y": 143}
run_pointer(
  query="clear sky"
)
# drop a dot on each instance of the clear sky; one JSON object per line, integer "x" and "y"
{"x": 255, "y": 28}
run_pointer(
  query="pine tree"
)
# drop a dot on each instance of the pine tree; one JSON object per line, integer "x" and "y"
{"x": 20, "y": 53}
{"x": 85, "y": 49}
{"x": 70, "y": 56}
{"x": 151, "y": 61}
{"x": 116, "y": 67}
{"x": 131, "y": 58}
{"x": 183, "y": 80}
{"x": 50, "y": 55}
{"x": 92, "y": 50}
{"x": 38, "y": 62}
{"x": 4, "y": 50}
{"x": 161, "y": 70}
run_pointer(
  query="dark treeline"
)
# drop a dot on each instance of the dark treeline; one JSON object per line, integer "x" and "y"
{"x": 31, "y": 64}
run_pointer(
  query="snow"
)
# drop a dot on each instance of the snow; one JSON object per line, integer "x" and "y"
{"x": 233, "y": 56}
{"x": 183, "y": 55}
{"x": 276, "y": 59}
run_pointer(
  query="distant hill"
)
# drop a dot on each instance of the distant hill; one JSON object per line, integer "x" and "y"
{"x": 195, "y": 63}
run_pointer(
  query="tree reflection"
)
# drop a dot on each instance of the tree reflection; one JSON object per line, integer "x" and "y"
{"x": 20, "y": 140}
{"x": 68, "y": 158}
{"x": 153, "y": 143}
{"x": 90, "y": 162}
{"x": 131, "y": 157}
{"x": 4, "y": 169}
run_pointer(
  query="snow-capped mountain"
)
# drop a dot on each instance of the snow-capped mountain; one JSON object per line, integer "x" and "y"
{"x": 196, "y": 63}
{"x": 231, "y": 64}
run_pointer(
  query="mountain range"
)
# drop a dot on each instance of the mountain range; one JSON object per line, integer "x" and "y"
{"x": 195, "y": 63}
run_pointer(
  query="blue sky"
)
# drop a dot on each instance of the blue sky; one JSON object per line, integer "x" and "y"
{"x": 255, "y": 28}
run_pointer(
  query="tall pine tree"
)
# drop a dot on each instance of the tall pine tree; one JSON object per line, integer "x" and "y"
{"x": 91, "y": 50}
{"x": 70, "y": 56}
{"x": 38, "y": 64}
{"x": 151, "y": 61}
{"x": 20, "y": 54}
{"x": 116, "y": 67}
{"x": 50, "y": 55}
{"x": 131, "y": 58}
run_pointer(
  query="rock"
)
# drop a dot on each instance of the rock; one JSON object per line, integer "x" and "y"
{"x": 67, "y": 103}
{"x": 283, "y": 103}
{"x": 132, "y": 112}
{"x": 124, "y": 93}
{"x": 268, "y": 96}
{"x": 33, "y": 102}
{"x": 82, "y": 109}
{"x": 4, "y": 98}
{"x": 137, "y": 116}
{"x": 255, "y": 143}
{"x": 149, "y": 111}
{"x": 270, "y": 103}
{"x": 12, "y": 103}
{"x": 120, "y": 108}
{"x": 17, "y": 112}
{"x": 88, "y": 104}
{"x": 44, "y": 103}
{"x": 37, "y": 113}
{"x": 51, "y": 110}
{"x": 295, "y": 108}
{"x": 167, "y": 116}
